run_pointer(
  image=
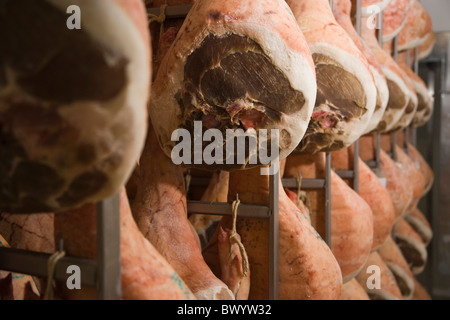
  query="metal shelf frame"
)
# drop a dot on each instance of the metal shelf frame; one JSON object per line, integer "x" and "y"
{"x": 102, "y": 273}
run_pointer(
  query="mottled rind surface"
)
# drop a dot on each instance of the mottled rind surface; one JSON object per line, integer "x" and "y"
{"x": 68, "y": 99}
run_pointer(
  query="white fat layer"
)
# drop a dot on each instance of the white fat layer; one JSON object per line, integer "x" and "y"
{"x": 423, "y": 230}
{"x": 392, "y": 116}
{"x": 294, "y": 65}
{"x": 354, "y": 128}
{"x": 125, "y": 116}
{"x": 383, "y": 93}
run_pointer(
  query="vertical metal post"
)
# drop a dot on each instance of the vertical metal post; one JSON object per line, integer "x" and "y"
{"x": 108, "y": 249}
{"x": 380, "y": 29}
{"x": 438, "y": 72}
{"x": 356, "y": 145}
{"x": 274, "y": 181}
{"x": 378, "y": 152}
{"x": 378, "y": 137}
{"x": 358, "y": 17}
{"x": 356, "y": 167}
{"x": 394, "y": 135}
{"x": 328, "y": 198}
{"x": 416, "y": 70}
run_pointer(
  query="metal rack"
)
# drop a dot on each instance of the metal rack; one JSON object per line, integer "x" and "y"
{"x": 102, "y": 273}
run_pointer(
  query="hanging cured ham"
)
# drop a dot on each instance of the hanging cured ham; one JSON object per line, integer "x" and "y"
{"x": 425, "y": 101}
{"x": 72, "y": 102}
{"x": 417, "y": 26}
{"x": 342, "y": 13}
{"x": 398, "y": 89}
{"x": 392, "y": 256}
{"x": 411, "y": 245}
{"x": 352, "y": 290}
{"x": 161, "y": 214}
{"x": 423, "y": 166}
{"x": 236, "y": 65}
{"x": 394, "y": 18}
{"x": 146, "y": 275}
{"x": 346, "y": 93}
{"x": 399, "y": 188}
{"x": 420, "y": 224}
{"x": 373, "y": 192}
{"x": 307, "y": 268}
{"x": 351, "y": 217}
{"x": 413, "y": 176}
{"x": 368, "y": 278}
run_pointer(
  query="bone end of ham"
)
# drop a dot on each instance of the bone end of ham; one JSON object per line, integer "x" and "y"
{"x": 346, "y": 91}
{"x": 392, "y": 256}
{"x": 411, "y": 245}
{"x": 258, "y": 49}
{"x": 74, "y": 118}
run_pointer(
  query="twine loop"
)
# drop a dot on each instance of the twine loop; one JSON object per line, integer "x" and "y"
{"x": 234, "y": 239}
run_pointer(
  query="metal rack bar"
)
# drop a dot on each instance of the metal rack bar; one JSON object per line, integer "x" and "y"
{"x": 108, "y": 249}
{"x": 173, "y": 12}
{"x": 274, "y": 236}
{"x": 328, "y": 199}
{"x": 224, "y": 209}
{"x": 103, "y": 273}
{"x": 394, "y": 135}
{"x": 35, "y": 264}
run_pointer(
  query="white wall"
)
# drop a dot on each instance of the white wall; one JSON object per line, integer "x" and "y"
{"x": 440, "y": 13}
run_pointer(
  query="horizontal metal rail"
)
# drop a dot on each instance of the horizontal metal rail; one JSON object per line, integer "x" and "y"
{"x": 35, "y": 264}
{"x": 172, "y": 12}
{"x": 224, "y": 209}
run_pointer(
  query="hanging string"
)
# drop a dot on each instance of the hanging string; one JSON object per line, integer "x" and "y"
{"x": 160, "y": 19}
{"x": 234, "y": 239}
{"x": 52, "y": 261}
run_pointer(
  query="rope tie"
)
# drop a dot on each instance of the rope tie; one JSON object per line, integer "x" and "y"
{"x": 301, "y": 195}
{"x": 235, "y": 240}
{"x": 159, "y": 19}
{"x": 52, "y": 261}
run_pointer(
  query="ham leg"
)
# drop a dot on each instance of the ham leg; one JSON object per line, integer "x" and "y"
{"x": 73, "y": 103}
{"x": 307, "y": 268}
{"x": 236, "y": 64}
{"x": 398, "y": 90}
{"x": 346, "y": 93}
{"x": 146, "y": 275}
{"x": 160, "y": 212}
{"x": 420, "y": 224}
{"x": 351, "y": 217}
{"x": 373, "y": 192}
{"x": 392, "y": 256}
{"x": 342, "y": 13}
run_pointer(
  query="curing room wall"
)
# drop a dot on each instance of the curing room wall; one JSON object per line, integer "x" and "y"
{"x": 440, "y": 12}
